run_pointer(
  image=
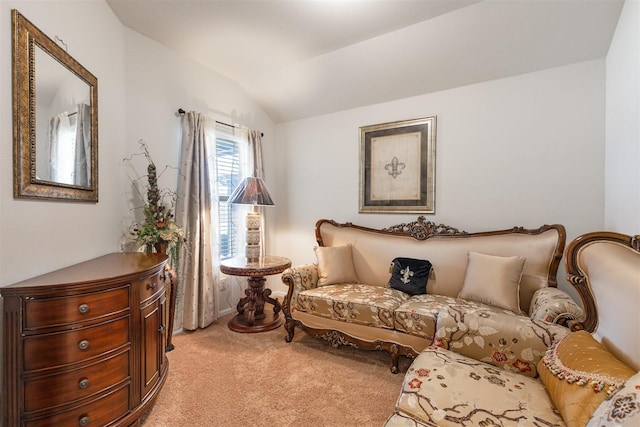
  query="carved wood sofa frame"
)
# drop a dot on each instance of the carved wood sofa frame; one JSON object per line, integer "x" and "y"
{"x": 420, "y": 230}
{"x": 579, "y": 278}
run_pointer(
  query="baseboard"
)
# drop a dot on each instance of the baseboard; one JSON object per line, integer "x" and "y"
{"x": 279, "y": 295}
{"x": 226, "y": 311}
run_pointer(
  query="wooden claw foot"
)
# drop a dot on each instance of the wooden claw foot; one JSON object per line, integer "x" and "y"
{"x": 395, "y": 358}
{"x": 290, "y": 331}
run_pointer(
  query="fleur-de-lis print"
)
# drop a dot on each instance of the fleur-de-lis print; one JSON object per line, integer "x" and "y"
{"x": 406, "y": 274}
{"x": 395, "y": 167}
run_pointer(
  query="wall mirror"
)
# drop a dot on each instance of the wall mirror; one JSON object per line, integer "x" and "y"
{"x": 55, "y": 119}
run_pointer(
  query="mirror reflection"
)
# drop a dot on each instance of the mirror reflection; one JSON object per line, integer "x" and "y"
{"x": 55, "y": 119}
{"x": 63, "y": 123}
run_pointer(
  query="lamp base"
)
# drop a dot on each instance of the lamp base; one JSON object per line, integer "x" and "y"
{"x": 253, "y": 248}
{"x": 252, "y": 252}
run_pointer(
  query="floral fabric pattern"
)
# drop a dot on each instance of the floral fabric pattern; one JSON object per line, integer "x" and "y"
{"x": 355, "y": 303}
{"x": 552, "y": 305}
{"x": 620, "y": 409}
{"x": 496, "y": 336}
{"x": 442, "y": 388}
{"x": 418, "y": 315}
{"x": 303, "y": 277}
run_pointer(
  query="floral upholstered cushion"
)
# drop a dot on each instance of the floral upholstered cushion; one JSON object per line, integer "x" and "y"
{"x": 493, "y": 280}
{"x": 496, "y": 336}
{"x": 417, "y": 316}
{"x": 552, "y": 304}
{"x": 579, "y": 374}
{"x": 620, "y": 409}
{"x": 355, "y": 303}
{"x": 447, "y": 389}
{"x": 335, "y": 265}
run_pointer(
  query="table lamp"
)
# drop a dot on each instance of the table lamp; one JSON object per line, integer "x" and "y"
{"x": 252, "y": 191}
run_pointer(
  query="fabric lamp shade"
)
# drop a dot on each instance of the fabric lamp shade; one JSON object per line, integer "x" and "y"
{"x": 251, "y": 191}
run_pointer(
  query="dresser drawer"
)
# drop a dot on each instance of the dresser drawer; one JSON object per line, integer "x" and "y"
{"x": 52, "y": 390}
{"x": 76, "y": 345}
{"x": 95, "y": 414}
{"x": 47, "y": 312}
{"x": 149, "y": 287}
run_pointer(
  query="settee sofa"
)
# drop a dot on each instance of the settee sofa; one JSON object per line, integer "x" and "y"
{"x": 491, "y": 296}
{"x": 586, "y": 378}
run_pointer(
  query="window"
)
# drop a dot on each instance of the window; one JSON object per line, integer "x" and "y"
{"x": 229, "y": 176}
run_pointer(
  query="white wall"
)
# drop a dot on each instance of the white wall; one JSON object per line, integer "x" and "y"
{"x": 522, "y": 151}
{"x": 525, "y": 150}
{"x": 40, "y": 236}
{"x": 141, "y": 84}
{"x": 622, "y": 165}
{"x": 158, "y": 82}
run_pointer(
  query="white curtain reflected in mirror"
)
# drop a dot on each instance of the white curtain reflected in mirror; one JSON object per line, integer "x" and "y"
{"x": 68, "y": 154}
{"x": 63, "y": 124}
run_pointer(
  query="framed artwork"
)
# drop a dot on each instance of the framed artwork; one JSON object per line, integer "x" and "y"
{"x": 397, "y": 166}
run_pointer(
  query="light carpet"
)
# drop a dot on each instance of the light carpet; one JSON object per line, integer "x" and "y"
{"x": 218, "y": 377}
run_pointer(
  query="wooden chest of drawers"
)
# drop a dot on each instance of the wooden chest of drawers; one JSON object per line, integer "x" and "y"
{"x": 85, "y": 345}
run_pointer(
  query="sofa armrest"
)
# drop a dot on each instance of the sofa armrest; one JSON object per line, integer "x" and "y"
{"x": 301, "y": 277}
{"x": 298, "y": 279}
{"x": 554, "y": 306}
{"x": 495, "y": 336}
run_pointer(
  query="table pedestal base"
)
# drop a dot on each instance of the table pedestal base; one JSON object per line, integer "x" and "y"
{"x": 271, "y": 321}
{"x": 251, "y": 315}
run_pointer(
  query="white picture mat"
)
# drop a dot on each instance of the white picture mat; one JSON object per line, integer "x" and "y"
{"x": 406, "y": 183}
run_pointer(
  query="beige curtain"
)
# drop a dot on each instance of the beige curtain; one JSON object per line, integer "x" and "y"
{"x": 253, "y": 166}
{"x": 197, "y": 213}
{"x": 254, "y": 138}
{"x": 83, "y": 146}
{"x": 56, "y": 124}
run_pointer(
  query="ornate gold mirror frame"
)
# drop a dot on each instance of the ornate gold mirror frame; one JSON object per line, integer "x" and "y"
{"x": 43, "y": 70}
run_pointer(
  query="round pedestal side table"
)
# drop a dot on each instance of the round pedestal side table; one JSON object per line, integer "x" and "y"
{"x": 251, "y": 315}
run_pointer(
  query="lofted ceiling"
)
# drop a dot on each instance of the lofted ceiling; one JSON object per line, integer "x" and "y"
{"x": 302, "y": 58}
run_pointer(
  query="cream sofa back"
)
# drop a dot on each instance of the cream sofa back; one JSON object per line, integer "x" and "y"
{"x": 596, "y": 262}
{"x": 374, "y": 250}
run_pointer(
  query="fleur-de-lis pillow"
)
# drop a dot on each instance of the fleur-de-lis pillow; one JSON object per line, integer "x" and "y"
{"x": 410, "y": 275}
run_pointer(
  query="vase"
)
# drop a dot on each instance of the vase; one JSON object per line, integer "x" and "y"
{"x": 161, "y": 247}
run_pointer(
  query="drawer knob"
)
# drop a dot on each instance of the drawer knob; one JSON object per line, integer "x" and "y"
{"x": 151, "y": 286}
{"x": 83, "y": 383}
{"x": 83, "y": 308}
{"x": 161, "y": 328}
{"x": 83, "y": 421}
{"x": 83, "y": 345}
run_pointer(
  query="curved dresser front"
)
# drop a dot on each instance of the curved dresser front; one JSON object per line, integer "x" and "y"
{"x": 85, "y": 345}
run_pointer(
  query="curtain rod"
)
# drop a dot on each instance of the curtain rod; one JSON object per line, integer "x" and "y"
{"x": 182, "y": 112}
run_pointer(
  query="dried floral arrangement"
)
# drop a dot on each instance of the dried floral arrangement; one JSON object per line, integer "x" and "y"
{"x": 157, "y": 232}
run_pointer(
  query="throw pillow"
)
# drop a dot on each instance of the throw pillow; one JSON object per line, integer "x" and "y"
{"x": 493, "y": 280}
{"x": 410, "y": 275}
{"x": 622, "y": 409}
{"x": 579, "y": 373}
{"x": 335, "y": 265}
